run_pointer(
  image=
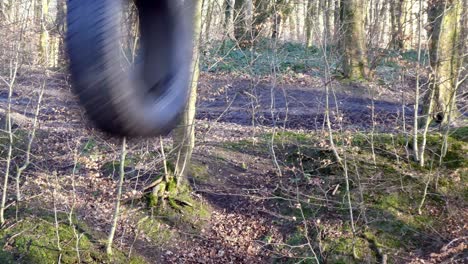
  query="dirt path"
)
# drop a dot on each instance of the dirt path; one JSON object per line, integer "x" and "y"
{"x": 300, "y": 105}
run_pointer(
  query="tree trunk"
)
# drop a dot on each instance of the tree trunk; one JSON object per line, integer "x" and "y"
{"x": 240, "y": 25}
{"x": 44, "y": 35}
{"x": 354, "y": 39}
{"x": 4, "y": 9}
{"x": 398, "y": 11}
{"x": 209, "y": 18}
{"x": 277, "y": 19}
{"x": 309, "y": 24}
{"x": 184, "y": 134}
{"x": 327, "y": 25}
{"x": 445, "y": 18}
{"x": 382, "y": 23}
{"x": 228, "y": 17}
{"x": 336, "y": 20}
{"x": 262, "y": 12}
{"x": 291, "y": 19}
{"x": 281, "y": 11}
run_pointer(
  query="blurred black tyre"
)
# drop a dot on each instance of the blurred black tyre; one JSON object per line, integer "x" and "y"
{"x": 149, "y": 97}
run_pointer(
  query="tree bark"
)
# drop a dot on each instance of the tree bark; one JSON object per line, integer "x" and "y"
{"x": 209, "y": 18}
{"x": 184, "y": 134}
{"x": 4, "y": 7}
{"x": 382, "y": 22}
{"x": 311, "y": 9}
{"x": 327, "y": 25}
{"x": 399, "y": 20}
{"x": 445, "y": 18}
{"x": 240, "y": 25}
{"x": 228, "y": 17}
{"x": 353, "y": 41}
{"x": 293, "y": 36}
{"x": 336, "y": 21}
{"x": 263, "y": 10}
{"x": 44, "y": 35}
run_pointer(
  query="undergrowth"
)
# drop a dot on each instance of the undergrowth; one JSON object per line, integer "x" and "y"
{"x": 385, "y": 195}
{"x": 36, "y": 239}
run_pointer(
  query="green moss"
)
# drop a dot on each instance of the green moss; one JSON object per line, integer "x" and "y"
{"x": 239, "y": 145}
{"x": 34, "y": 240}
{"x": 460, "y": 134}
{"x": 342, "y": 249}
{"x": 177, "y": 207}
{"x": 152, "y": 200}
{"x": 292, "y": 137}
{"x": 152, "y": 228}
{"x": 190, "y": 219}
{"x": 394, "y": 201}
{"x": 113, "y": 167}
{"x": 20, "y": 141}
{"x": 89, "y": 146}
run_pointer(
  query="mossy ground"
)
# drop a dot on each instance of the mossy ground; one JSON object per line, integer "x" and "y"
{"x": 385, "y": 195}
{"x": 36, "y": 239}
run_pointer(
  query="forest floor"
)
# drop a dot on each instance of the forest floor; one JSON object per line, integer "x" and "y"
{"x": 265, "y": 189}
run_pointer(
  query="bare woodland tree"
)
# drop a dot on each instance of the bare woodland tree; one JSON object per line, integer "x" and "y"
{"x": 353, "y": 40}
{"x": 445, "y": 18}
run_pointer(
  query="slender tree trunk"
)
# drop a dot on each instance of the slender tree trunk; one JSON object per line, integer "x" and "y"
{"x": 228, "y": 17}
{"x": 409, "y": 25}
{"x": 116, "y": 216}
{"x": 240, "y": 23}
{"x": 399, "y": 20}
{"x": 44, "y": 36}
{"x": 309, "y": 23}
{"x": 327, "y": 21}
{"x": 277, "y": 16}
{"x": 445, "y": 18}
{"x": 209, "y": 18}
{"x": 382, "y": 22}
{"x": 300, "y": 29}
{"x": 354, "y": 39}
{"x": 281, "y": 11}
{"x": 418, "y": 81}
{"x": 263, "y": 10}
{"x": 292, "y": 21}
{"x": 276, "y": 20}
{"x": 336, "y": 20}
{"x": 184, "y": 134}
{"x": 4, "y": 10}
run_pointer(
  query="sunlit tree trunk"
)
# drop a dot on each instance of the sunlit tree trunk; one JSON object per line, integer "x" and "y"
{"x": 353, "y": 37}
{"x": 228, "y": 17}
{"x": 60, "y": 17}
{"x": 311, "y": 6}
{"x": 445, "y": 18}
{"x": 336, "y": 21}
{"x": 281, "y": 11}
{"x": 409, "y": 25}
{"x": 209, "y": 18}
{"x": 5, "y": 11}
{"x": 399, "y": 20}
{"x": 327, "y": 25}
{"x": 292, "y": 21}
{"x": 276, "y": 18}
{"x": 184, "y": 134}
{"x": 382, "y": 22}
{"x": 464, "y": 31}
{"x": 44, "y": 35}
